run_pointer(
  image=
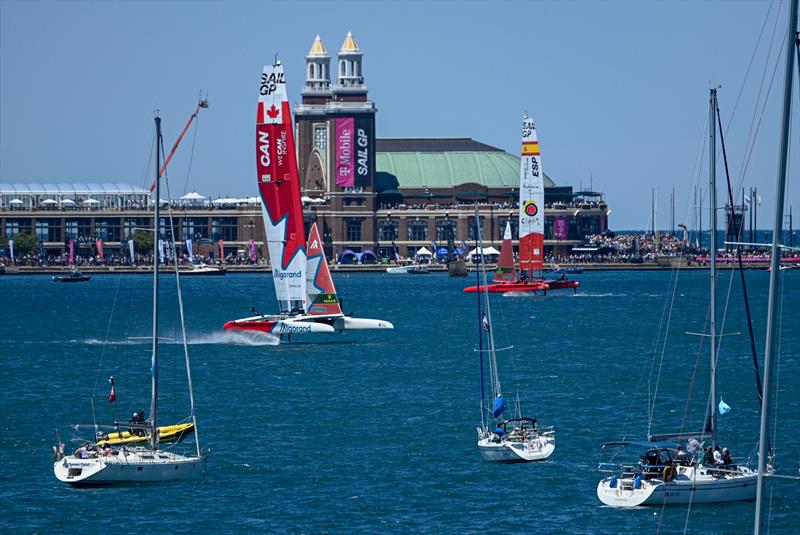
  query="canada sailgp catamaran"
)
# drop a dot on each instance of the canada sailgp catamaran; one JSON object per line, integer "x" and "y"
{"x": 307, "y": 299}
{"x": 531, "y": 228}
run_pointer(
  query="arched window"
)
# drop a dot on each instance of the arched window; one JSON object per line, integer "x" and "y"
{"x": 418, "y": 230}
{"x": 445, "y": 230}
{"x": 387, "y": 230}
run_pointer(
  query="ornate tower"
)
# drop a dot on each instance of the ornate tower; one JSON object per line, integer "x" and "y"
{"x": 318, "y": 72}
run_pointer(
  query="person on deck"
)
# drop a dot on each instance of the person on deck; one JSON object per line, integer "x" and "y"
{"x": 726, "y": 457}
{"x": 708, "y": 457}
{"x": 718, "y": 456}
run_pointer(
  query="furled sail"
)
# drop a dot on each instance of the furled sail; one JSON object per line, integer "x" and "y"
{"x": 531, "y": 202}
{"x": 279, "y": 188}
{"x": 505, "y": 265}
{"x": 321, "y": 298}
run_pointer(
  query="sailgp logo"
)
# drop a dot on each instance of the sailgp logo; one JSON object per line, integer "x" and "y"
{"x": 281, "y": 275}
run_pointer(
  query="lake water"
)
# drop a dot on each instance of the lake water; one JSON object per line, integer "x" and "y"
{"x": 374, "y": 431}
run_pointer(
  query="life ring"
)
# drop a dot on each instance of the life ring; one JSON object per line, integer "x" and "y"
{"x": 668, "y": 474}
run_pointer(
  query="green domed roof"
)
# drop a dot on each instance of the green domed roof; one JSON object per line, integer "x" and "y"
{"x": 447, "y": 162}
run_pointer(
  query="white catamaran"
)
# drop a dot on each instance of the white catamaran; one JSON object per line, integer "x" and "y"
{"x": 105, "y": 464}
{"x": 307, "y": 300}
{"x": 665, "y": 474}
{"x": 518, "y": 439}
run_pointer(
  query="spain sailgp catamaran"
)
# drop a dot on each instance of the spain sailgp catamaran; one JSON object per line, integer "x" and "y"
{"x": 531, "y": 228}
{"x": 307, "y": 299}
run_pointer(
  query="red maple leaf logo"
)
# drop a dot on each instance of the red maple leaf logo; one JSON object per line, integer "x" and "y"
{"x": 273, "y": 112}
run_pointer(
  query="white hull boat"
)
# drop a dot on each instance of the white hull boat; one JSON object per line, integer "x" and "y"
{"x": 531, "y": 446}
{"x": 691, "y": 484}
{"x": 128, "y": 465}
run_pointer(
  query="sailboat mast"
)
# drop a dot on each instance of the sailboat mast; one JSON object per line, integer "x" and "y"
{"x": 156, "y": 234}
{"x": 775, "y": 272}
{"x": 712, "y": 207}
{"x": 494, "y": 375}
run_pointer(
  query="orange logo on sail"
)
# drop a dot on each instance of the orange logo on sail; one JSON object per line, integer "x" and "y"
{"x": 530, "y": 209}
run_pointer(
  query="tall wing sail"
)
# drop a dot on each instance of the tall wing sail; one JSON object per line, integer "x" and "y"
{"x": 505, "y": 265}
{"x": 531, "y": 202}
{"x": 279, "y": 188}
{"x": 321, "y": 298}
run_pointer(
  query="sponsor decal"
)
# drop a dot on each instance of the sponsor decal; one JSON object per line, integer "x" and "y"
{"x": 314, "y": 245}
{"x": 269, "y": 82}
{"x": 326, "y": 299}
{"x": 273, "y": 112}
{"x": 530, "y": 209}
{"x": 282, "y": 275}
{"x": 288, "y": 328}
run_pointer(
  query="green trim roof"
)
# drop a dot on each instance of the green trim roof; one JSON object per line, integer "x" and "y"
{"x": 426, "y": 168}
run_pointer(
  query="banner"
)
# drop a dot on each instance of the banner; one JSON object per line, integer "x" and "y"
{"x": 252, "y": 245}
{"x": 364, "y": 152}
{"x": 345, "y": 134}
{"x": 71, "y": 251}
{"x": 189, "y": 250}
{"x": 221, "y": 251}
{"x": 161, "y": 251}
{"x": 11, "y": 248}
{"x": 133, "y": 255}
{"x": 560, "y": 228}
{"x": 99, "y": 244}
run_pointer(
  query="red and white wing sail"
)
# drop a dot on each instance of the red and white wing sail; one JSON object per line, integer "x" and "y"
{"x": 321, "y": 298}
{"x": 505, "y": 265}
{"x": 279, "y": 188}
{"x": 531, "y": 202}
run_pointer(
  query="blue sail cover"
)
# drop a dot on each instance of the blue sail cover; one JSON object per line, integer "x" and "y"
{"x": 499, "y": 406}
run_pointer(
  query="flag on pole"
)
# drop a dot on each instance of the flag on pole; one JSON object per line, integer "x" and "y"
{"x": 485, "y": 323}
{"x": 130, "y": 247}
{"x": 11, "y": 249}
{"x": 112, "y": 396}
{"x": 252, "y": 245}
{"x": 221, "y": 251}
{"x": 161, "y": 251}
{"x": 189, "y": 250}
{"x": 724, "y": 408}
{"x": 71, "y": 251}
{"x": 99, "y": 244}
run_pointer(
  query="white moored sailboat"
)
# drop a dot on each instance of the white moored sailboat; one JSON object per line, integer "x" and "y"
{"x": 99, "y": 466}
{"x": 518, "y": 439}
{"x": 665, "y": 474}
{"x": 297, "y": 272}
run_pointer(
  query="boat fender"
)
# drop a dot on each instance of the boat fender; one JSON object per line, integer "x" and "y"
{"x": 55, "y": 454}
{"x": 613, "y": 483}
{"x": 668, "y": 474}
{"x": 637, "y": 482}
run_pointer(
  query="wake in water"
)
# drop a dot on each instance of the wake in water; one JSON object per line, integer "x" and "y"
{"x": 236, "y": 338}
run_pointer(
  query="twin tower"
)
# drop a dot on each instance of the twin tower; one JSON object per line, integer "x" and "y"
{"x": 336, "y": 128}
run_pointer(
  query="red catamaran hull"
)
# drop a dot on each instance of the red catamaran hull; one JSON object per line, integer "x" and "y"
{"x": 524, "y": 286}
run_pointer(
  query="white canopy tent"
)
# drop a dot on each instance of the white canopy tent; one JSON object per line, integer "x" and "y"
{"x": 488, "y": 251}
{"x": 422, "y": 251}
{"x": 67, "y": 202}
{"x": 49, "y": 201}
{"x": 193, "y": 196}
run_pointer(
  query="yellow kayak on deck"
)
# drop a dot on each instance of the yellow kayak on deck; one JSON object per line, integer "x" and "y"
{"x": 167, "y": 433}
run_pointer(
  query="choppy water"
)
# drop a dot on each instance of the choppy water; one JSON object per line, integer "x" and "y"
{"x": 375, "y": 431}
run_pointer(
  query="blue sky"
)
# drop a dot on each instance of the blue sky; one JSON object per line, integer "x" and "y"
{"x": 618, "y": 90}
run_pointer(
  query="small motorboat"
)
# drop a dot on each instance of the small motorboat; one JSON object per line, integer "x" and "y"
{"x": 74, "y": 275}
{"x": 204, "y": 269}
{"x": 417, "y": 270}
